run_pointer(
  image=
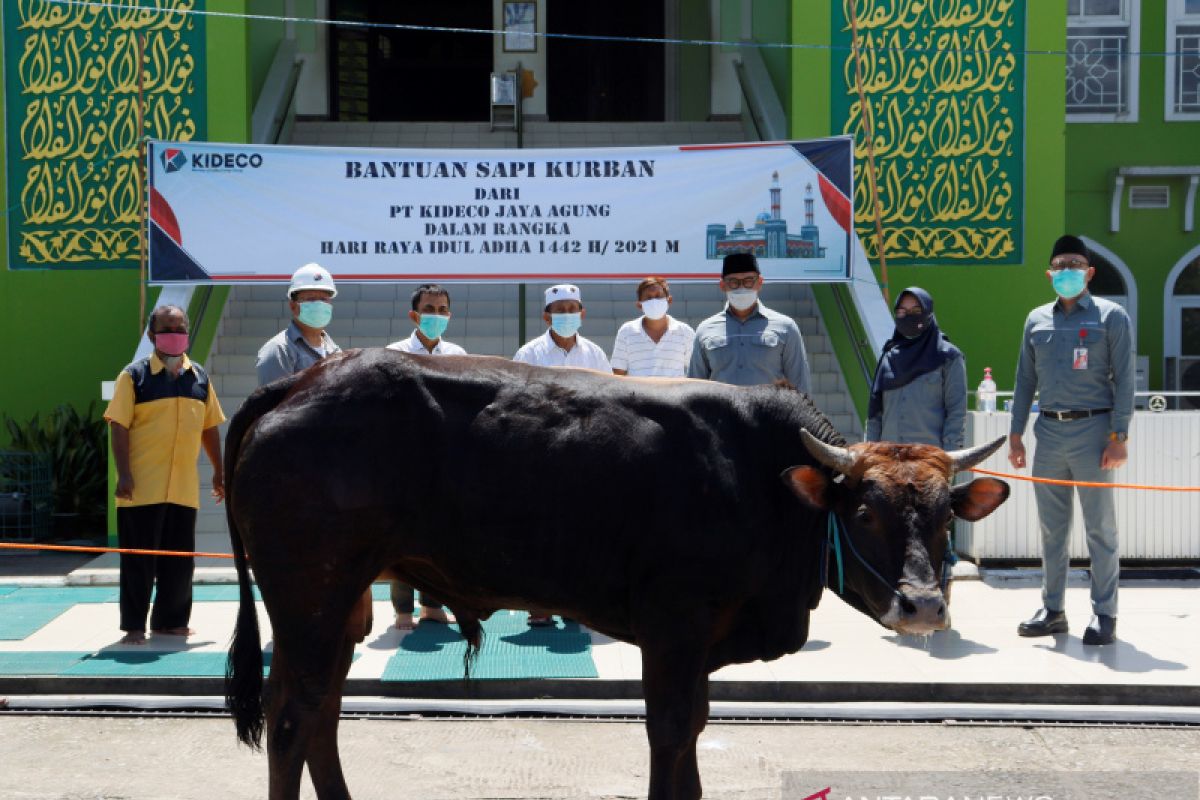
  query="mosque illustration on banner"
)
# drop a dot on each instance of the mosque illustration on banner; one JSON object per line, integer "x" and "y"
{"x": 769, "y": 238}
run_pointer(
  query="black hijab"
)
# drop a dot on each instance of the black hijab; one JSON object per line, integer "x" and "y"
{"x": 904, "y": 360}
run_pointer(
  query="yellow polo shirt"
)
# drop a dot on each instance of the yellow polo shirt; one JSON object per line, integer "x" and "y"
{"x": 165, "y": 417}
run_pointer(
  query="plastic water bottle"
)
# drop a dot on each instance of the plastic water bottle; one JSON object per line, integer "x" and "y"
{"x": 985, "y": 395}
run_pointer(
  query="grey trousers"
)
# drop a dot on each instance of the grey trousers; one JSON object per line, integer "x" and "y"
{"x": 1071, "y": 450}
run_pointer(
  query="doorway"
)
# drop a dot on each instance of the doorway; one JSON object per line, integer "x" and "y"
{"x": 1181, "y": 344}
{"x": 600, "y": 80}
{"x": 380, "y": 74}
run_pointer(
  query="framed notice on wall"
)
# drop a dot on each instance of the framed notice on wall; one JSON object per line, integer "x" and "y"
{"x": 520, "y": 23}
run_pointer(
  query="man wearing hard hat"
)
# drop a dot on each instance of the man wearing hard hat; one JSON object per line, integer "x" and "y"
{"x": 305, "y": 341}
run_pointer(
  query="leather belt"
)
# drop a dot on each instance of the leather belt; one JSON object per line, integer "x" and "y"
{"x": 1067, "y": 415}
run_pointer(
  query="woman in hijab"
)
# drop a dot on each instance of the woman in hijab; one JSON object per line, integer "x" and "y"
{"x": 919, "y": 395}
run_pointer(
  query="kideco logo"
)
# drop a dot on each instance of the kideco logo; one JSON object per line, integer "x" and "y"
{"x": 225, "y": 162}
{"x": 173, "y": 159}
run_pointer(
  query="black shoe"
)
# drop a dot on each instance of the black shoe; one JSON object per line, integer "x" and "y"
{"x": 1044, "y": 623}
{"x": 1101, "y": 630}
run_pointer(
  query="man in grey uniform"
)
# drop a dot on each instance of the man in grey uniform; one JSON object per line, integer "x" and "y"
{"x": 1077, "y": 352}
{"x": 747, "y": 343}
{"x": 304, "y": 342}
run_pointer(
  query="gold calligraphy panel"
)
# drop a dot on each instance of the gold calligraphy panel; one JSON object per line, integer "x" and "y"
{"x": 73, "y": 131}
{"x": 945, "y": 89}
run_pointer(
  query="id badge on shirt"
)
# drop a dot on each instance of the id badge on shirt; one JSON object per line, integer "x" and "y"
{"x": 1080, "y": 360}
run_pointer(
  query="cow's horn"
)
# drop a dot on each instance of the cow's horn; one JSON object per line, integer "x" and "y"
{"x": 838, "y": 459}
{"x": 965, "y": 459}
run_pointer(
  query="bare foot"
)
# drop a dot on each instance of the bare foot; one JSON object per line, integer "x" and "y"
{"x": 435, "y": 615}
{"x": 404, "y": 622}
{"x": 185, "y": 631}
{"x": 133, "y": 637}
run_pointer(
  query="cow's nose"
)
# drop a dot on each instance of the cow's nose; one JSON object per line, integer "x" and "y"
{"x": 925, "y": 610}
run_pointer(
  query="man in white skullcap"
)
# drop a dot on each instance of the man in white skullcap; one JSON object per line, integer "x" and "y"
{"x": 561, "y": 345}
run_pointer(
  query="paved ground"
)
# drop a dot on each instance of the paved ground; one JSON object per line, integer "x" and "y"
{"x": 198, "y": 759}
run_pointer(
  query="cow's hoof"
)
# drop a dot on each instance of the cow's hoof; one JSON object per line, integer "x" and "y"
{"x": 540, "y": 622}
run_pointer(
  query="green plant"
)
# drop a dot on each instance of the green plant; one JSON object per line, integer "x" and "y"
{"x": 78, "y": 450}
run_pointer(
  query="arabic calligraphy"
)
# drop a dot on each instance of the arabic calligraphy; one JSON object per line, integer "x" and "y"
{"x": 74, "y": 128}
{"x": 946, "y": 96}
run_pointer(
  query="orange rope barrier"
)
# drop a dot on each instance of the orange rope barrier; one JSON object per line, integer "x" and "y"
{"x": 1096, "y": 484}
{"x": 129, "y": 551}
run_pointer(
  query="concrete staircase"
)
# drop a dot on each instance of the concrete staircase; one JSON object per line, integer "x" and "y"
{"x": 486, "y": 316}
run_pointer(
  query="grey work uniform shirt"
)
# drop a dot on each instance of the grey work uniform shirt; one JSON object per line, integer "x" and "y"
{"x": 1048, "y": 360}
{"x": 763, "y": 349}
{"x": 287, "y": 352}
{"x": 930, "y": 409}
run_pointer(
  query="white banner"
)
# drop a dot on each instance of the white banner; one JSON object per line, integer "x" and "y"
{"x": 229, "y": 213}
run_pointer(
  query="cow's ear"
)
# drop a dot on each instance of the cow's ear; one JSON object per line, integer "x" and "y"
{"x": 975, "y": 500}
{"x": 809, "y": 484}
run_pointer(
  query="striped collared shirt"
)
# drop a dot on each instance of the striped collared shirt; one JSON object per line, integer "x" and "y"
{"x": 639, "y": 355}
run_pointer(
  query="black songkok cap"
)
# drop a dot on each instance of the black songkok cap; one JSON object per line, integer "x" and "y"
{"x": 739, "y": 262}
{"x": 1072, "y": 245}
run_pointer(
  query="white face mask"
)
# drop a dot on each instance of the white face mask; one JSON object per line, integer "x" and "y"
{"x": 742, "y": 299}
{"x": 655, "y": 308}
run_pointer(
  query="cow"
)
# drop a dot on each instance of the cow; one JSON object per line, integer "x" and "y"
{"x": 686, "y": 517}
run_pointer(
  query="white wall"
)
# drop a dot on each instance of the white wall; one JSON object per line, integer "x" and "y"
{"x": 534, "y": 62}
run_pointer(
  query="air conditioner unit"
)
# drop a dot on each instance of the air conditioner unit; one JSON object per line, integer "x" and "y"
{"x": 1187, "y": 379}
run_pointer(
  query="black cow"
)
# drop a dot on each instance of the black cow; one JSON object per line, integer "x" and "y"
{"x": 685, "y": 517}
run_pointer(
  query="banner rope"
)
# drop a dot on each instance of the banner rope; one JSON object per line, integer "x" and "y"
{"x": 126, "y": 550}
{"x": 1093, "y": 484}
{"x": 347, "y": 23}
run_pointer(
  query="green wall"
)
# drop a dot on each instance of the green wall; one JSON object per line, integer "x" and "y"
{"x": 66, "y": 331}
{"x": 695, "y": 61}
{"x": 1150, "y": 241}
{"x": 981, "y": 307}
{"x": 771, "y": 24}
{"x": 263, "y": 39}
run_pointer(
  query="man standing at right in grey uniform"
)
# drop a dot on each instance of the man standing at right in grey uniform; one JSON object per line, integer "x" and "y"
{"x": 1077, "y": 352}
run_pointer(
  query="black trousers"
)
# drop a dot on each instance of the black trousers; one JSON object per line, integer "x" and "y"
{"x": 402, "y": 598}
{"x": 161, "y": 526}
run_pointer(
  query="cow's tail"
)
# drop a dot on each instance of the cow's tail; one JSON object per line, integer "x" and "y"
{"x": 472, "y": 630}
{"x": 244, "y": 667}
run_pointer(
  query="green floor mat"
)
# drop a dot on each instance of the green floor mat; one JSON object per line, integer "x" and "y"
{"x": 220, "y": 593}
{"x": 21, "y": 620}
{"x": 123, "y": 663}
{"x": 511, "y": 650}
{"x": 228, "y": 593}
{"x": 49, "y": 662}
{"x": 145, "y": 664}
{"x": 68, "y": 595}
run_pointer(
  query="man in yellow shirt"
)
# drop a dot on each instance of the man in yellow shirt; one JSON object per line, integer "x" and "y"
{"x": 163, "y": 409}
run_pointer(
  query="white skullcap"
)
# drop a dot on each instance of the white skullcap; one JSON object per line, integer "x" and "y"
{"x": 563, "y": 291}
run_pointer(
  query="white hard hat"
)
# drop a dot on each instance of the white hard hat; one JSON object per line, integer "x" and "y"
{"x": 312, "y": 276}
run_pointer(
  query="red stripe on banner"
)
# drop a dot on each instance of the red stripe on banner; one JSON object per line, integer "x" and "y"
{"x": 836, "y": 202}
{"x": 491, "y": 276}
{"x": 739, "y": 146}
{"x": 164, "y": 217}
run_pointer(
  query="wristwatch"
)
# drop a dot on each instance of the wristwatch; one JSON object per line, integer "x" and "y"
{"x": 1118, "y": 437}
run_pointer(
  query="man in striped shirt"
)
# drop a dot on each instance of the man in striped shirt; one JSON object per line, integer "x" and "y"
{"x": 656, "y": 345}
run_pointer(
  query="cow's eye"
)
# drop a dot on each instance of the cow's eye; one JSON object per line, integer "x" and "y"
{"x": 863, "y": 516}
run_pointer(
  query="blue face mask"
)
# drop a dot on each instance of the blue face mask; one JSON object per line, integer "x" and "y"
{"x": 315, "y": 313}
{"x": 433, "y": 325}
{"x": 566, "y": 325}
{"x": 1069, "y": 283}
